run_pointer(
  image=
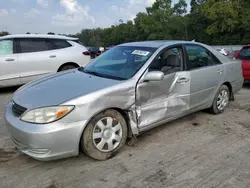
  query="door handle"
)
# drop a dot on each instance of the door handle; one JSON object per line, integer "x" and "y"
{"x": 182, "y": 80}
{"x": 219, "y": 71}
{"x": 10, "y": 59}
{"x": 52, "y": 56}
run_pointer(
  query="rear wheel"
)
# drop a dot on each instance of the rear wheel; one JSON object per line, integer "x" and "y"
{"x": 221, "y": 100}
{"x": 67, "y": 67}
{"x": 105, "y": 135}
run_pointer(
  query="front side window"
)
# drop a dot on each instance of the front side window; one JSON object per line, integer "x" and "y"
{"x": 6, "y": 47}
{"x": 169, "y": 61}
{"x": 121, "y": 62}
{"x": 245, "y": 53}
{"x": 28, "y": 45}
{"x": 198, "y": 57}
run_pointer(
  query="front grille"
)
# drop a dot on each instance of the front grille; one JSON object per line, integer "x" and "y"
{"x": 17, "y": 109}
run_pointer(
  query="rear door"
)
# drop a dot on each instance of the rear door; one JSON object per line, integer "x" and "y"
{"x": 206, "y": 73}
{"x": 9, "y": 69}
{"x": 36, "y": 59}
{"x": 244, "y": 56}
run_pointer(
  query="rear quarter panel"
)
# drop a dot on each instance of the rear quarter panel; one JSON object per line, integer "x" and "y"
{"x": 75, "y": 54}
{"x": 232, "y": 70}
{"x": 71, "y": 54}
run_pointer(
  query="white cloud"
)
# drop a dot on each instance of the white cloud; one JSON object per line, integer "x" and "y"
{"x": 43, "y": 3}
{"x": 71, "y": 6}
{"x": 4, "y": 12}
{"x": 74, "y": 15}
{"x": 13, "y": 11}
{"x": 32, "y": 13}
{"x": 130, "y": 8}
{"x": 19, "y": 1}
{"x": 123, "y": 12}
{"x": 141, "y": 2}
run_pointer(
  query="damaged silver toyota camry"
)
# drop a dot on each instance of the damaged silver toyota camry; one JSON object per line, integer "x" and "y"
{"x": 127, "y": 90}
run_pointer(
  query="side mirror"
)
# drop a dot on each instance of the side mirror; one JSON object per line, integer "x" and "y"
{"x": 154, "y": 76}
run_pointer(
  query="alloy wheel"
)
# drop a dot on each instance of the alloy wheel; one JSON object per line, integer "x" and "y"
{"x": 222, "y": 100}
{"x": 107, "y": 134}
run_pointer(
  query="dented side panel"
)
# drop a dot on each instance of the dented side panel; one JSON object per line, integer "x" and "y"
{"x": 157, "y": 101}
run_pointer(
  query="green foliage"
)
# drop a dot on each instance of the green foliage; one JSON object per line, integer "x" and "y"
{"x": 3, "y": 33}
{"x": 180, "y": 8}
{"x": 223, "y": 15}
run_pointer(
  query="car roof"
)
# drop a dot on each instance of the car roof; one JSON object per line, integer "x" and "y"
{"x": 38, "y": 36}
{"x": 155, "y": 43}
{"x": 160, "y": 43}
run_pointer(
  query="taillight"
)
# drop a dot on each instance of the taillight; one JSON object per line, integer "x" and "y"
{"x": 85, "y": 53}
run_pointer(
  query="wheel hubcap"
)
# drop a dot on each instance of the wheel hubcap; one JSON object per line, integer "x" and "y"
{"x": 223, "y": 99}
{"x": 107, "y": 134}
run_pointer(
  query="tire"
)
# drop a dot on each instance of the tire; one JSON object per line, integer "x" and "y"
{"x": 67, "y": 67}
{"x": 108, "y": 138}
{"x": 216, "y": 108}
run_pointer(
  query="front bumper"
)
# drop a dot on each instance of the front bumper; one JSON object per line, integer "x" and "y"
{"x": 44, "y": 141}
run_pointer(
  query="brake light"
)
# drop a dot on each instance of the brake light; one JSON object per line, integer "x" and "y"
{"x": 85, "y": 53}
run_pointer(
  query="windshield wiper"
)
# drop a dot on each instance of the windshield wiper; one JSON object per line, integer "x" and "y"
{"x": 100, "y": 74}
{"x": 114, "y": 77}
{"x": 93, "y": 73}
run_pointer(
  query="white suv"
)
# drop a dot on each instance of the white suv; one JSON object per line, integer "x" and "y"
{"x": 24, "y": 58}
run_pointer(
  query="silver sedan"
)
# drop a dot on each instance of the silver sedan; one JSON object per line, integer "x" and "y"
{"x": 127, "y": 90}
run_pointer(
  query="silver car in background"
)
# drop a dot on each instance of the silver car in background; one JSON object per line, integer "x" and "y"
{"x": 27, "y": 57}
{"x": 127, "y": 90}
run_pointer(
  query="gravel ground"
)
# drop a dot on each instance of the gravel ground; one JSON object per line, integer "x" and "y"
{"x": 199, "y": 150}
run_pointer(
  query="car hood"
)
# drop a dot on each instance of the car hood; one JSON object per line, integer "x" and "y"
{"x": 59, "y": 88}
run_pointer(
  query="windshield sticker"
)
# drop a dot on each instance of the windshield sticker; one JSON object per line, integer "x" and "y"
{"x": 141, "y": 52}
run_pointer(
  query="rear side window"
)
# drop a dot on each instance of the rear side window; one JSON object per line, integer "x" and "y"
{"x": 199, "y": 56}
{"x": 6, "y": 47}
{"x": 28, "y": 45}
{"x": 78, "y": 41}
{"x": 245, "y": 53}
{"x": 58, "y": 44}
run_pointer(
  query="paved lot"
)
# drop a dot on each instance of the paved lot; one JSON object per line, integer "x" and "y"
{"x": 200, "y": 150}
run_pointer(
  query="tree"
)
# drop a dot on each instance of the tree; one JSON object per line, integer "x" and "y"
{"x": 180, "y": 8}
{"x": 209, "y": 21}
{"x": 50, "y": 33}
{"x": 194, "y": 6}
{"x": 4, "y": 33}
{"x": 223, "y": 15}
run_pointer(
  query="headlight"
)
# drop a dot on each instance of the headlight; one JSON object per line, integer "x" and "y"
{"x": 46, "y": 114}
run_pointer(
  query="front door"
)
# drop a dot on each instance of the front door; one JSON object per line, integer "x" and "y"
{"x": 158, "y": 101}
{"x": 206, "y": 73}
{"x": 9, "y": 69}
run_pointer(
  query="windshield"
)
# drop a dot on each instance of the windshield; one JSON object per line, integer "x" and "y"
{"x": 121, "y": 62}
{"x": 245, "y": 53}
{"x": 232, "y": 54}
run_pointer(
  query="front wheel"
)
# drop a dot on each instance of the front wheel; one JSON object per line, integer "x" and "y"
{"x": 221, "y": 100}
{"x": 104, "y": 135}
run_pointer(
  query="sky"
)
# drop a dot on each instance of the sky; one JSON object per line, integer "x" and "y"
{"x": 66, "y": 16}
